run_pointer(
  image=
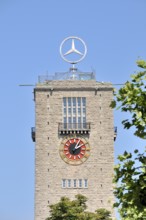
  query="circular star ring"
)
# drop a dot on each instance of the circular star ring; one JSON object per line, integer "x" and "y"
{"x": 73, "y": 50}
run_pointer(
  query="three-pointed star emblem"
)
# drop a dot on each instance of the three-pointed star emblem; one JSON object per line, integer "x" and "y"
{"x": 67, "y": 54}
{"x": 73, "y": 49}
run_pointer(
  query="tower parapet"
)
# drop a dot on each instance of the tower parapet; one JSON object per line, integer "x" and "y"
{"x": 69, "y": 75}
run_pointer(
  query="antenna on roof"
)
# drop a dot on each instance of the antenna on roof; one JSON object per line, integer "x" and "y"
{"x": 26, "y": 85}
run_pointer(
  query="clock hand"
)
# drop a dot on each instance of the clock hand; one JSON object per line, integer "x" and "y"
{"x": 77, "y": 143}
{"x": 76, "y": 147}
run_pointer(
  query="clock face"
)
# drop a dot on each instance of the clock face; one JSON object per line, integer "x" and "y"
{"x": 74, "y": 150}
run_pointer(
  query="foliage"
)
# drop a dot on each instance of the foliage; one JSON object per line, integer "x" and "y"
{"x": 132, "y": 99}
{"x": 130, "y": 173}
{"x": 131, "y": 190}
{"x": 75, "y": 210}
{"x": 103, "y": 214}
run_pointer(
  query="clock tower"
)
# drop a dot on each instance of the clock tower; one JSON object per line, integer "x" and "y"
{"x": 74, "y": 136}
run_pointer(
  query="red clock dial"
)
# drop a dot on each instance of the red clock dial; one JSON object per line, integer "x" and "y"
{"x": 74, "y": 150}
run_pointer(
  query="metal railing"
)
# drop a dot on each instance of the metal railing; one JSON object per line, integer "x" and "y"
{"x": 115, "y": 130}
{"x": 74, "y": 126}
{"x": 70, "y": 75}
{"x": 33, "y": 133}
{"x": 115, "y": 133}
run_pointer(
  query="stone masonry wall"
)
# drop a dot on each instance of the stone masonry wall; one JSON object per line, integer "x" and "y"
{"x": 50, "y": 169}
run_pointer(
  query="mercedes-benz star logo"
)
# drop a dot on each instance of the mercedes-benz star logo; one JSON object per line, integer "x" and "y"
{"x": 81, "y": 54}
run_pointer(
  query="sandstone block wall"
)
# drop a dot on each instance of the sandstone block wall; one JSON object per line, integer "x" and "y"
{"x": 50, "y": 169}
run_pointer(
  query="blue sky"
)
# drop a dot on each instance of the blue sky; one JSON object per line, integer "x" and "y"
{"x": 30, "y": 35}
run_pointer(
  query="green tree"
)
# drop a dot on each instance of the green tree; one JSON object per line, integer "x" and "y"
{"x": 131, "y": 186}
{"x": 66, "y": 209}
{"x": 130, "y": 178}
{"x": 103, "y": 214}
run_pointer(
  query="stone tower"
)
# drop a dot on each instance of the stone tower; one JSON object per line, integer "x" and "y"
{"x": 74, "y": 137}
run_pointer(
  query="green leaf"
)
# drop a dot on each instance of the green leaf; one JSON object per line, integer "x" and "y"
{"x": 113, "y": 104}
{"x": 141, "y": 63}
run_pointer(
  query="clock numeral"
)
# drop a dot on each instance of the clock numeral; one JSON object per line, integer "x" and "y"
{"x": 66, "y": 159}
{"x": 67, "y": 153}
{"x": 63, "y": 156}
{"x": 86, "y": 155}
{"x": 83, "y": 148}
{"x": 81, "y": 160}
{"x": 79, "y": 156}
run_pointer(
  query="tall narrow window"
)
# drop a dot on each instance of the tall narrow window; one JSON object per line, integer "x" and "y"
{"x": 75, "y": 183}
{"x": 65, "y": 122}
{"x": 74, "y": 122}
{"x": 69, "y": 122}
{"x": 64, "y": 183}
{"x": 74, "y": 113}
{"x": 69, "y": 183}
{"x": 79, "y": 102}
{"x": 80, "y": 183}
{"x": 64, "y": 102}
{"x": 84, "y": 122}
{"x": 74, "y": 102}
{"x": 69, "y": 102}
{"x": 85, "y": 183}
